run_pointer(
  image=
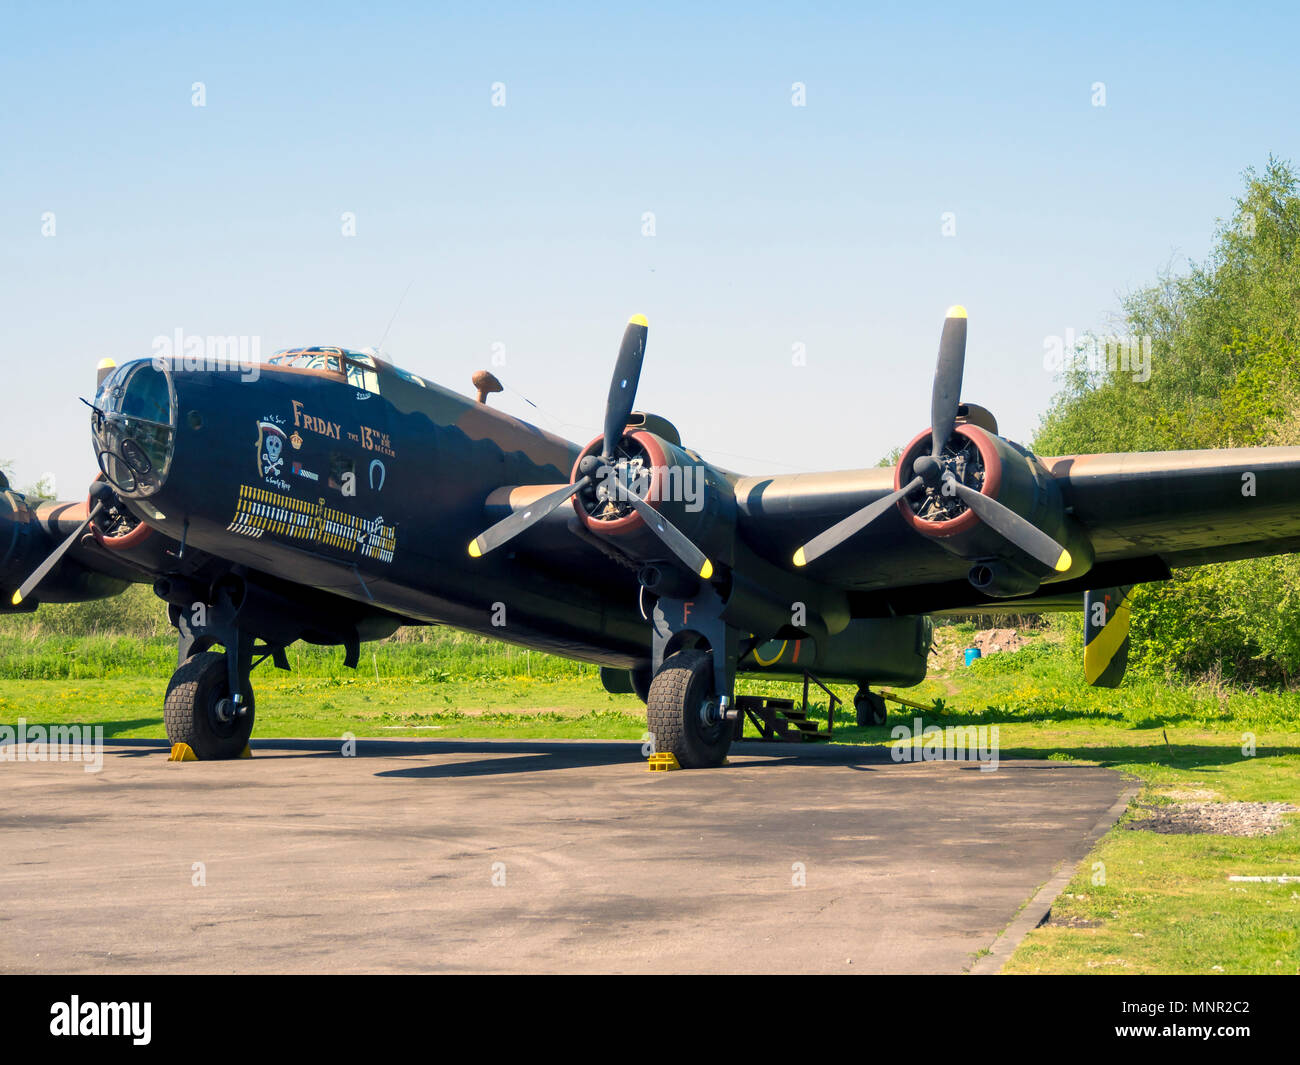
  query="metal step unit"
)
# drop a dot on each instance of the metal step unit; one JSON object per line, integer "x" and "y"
{"x": 778, "y": 720}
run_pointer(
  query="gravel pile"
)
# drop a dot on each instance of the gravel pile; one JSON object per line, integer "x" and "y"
{"x": 1220, "y": 818}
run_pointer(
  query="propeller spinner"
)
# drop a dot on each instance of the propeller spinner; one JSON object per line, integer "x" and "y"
{"x": 943, "y": 472}
{"x": 604, "y": 468}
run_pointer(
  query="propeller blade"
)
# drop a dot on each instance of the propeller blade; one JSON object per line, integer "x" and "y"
{"x": 622, "y": 388}
{"x": 1026, "y": 536}
{"x": 29, "y": 585}
{"x": 513, "y": 524}
{"x": 674, "y": 539}
{"x": 858, "y": 520}
{"x": 946, "y": 396}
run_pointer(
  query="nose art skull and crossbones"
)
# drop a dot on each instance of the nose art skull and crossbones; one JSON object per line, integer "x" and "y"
{"x": 272, "y": 459}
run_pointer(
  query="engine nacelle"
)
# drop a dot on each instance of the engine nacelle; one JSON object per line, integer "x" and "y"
{"x": 689, "y": 492}
{"x": 1011, "y": 475}
{"x": 27, "y": 536}
{"x": 23, "y": 543}
{"x": 757, "y": 596}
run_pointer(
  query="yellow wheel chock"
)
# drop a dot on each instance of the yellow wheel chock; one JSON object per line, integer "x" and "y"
{"x": 183, "y": 752}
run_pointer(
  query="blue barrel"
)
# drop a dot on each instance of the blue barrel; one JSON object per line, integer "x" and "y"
{"x": 973, "y": 653}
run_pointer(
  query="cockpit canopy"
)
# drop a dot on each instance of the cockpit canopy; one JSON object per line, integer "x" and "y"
{"x": 356, "y": 367}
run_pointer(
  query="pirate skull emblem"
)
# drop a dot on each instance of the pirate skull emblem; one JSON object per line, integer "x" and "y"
{"x": 272, "y": 459}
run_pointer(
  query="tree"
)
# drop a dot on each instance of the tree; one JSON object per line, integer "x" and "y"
{"x": 1225, "y": 353}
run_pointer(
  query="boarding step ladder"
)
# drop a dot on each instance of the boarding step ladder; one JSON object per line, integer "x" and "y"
{"x": 778, "y": 720}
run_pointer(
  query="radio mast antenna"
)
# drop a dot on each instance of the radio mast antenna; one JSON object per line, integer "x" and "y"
{"x": 380, "y": 346}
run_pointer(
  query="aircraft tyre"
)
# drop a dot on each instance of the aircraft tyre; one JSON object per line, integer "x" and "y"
{"x": 675, "y": 709}
{"x": 198, "y": 710}
{"x": 641, "y": 684}
{"x": 870, "y": 708}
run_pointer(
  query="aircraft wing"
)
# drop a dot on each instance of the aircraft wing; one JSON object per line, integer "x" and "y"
{"x": 1185, "y": 507}
{"x": 1143, "y": 513}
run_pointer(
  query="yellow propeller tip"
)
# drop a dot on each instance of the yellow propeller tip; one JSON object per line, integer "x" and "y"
{"x": 18, "y": 598}
{"x": 1064, "y": 562}
{"x": 956, "y": 311}
{"x": 474, "y": 550}
{"x": 106, "y": 364}
{"x": 706, "y": 571}
{"x": 638, "y": 319}
{"x": 799, "y": 559}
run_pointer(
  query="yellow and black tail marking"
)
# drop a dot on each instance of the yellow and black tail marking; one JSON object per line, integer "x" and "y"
{"x": 1105, "y": 635}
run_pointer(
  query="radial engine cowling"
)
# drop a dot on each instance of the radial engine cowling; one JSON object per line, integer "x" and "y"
{"x": 689, "y": 492}
{"x": 997, "y": 468}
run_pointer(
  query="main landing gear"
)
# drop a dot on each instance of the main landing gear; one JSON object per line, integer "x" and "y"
{"x": 870, "y": 707}
{"x": 201, "y": 710}
{"x": 684, "y": 715}
{"x": 209, "y": 703}
{"x": 690, "y": 705}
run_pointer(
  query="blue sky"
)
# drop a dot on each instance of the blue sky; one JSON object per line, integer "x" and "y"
{"x": 521, "y": 225}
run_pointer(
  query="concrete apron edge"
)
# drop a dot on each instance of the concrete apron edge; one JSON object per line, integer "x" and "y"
{"x": 1039, "y": 908}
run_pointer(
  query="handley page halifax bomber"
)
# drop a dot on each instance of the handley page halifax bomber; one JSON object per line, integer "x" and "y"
{"x": 334, "y": 497}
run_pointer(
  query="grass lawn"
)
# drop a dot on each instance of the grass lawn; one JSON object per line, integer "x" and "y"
{"x": 320, "y": 707}
{"x": 1156, "y": 903}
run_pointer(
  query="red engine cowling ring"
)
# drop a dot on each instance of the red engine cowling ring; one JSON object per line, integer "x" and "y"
{"x": 126, "y": 541}
{"x": 967, "y": 520}
{"x": 632, "y": 522}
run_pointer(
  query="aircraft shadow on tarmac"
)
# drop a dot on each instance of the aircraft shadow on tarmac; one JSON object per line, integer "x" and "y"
{"x": 540, "y": 756}
{"x": 139, "y": 748}
{"x": 509, "y": 757}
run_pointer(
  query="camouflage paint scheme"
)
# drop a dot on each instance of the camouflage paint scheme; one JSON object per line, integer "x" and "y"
{"x": 256, "y": 484}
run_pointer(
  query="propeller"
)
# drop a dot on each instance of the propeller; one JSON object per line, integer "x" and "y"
{"x": 618, "y": 408}
{"x": 1025, "y": 535}
{"x": 102, "y": 494}
{"x": 932, "y": 473}
{"x": 946, "y": 394}
{"x": 842, "y": 530}
{"x": 673, "y": 538}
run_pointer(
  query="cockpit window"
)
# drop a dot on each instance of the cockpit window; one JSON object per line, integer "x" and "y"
{"x": 330, "y": 359}
{"x": 361, "y": 372}
{"x": 356, "y": 367}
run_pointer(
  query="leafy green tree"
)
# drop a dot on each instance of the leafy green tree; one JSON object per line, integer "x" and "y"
{"x": 1225, "y": 353}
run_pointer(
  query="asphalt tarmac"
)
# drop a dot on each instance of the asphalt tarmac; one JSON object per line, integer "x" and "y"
{"x": 527, "y": 856}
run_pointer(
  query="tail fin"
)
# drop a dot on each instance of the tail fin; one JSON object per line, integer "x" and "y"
{"x": 1105, "y": 635}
